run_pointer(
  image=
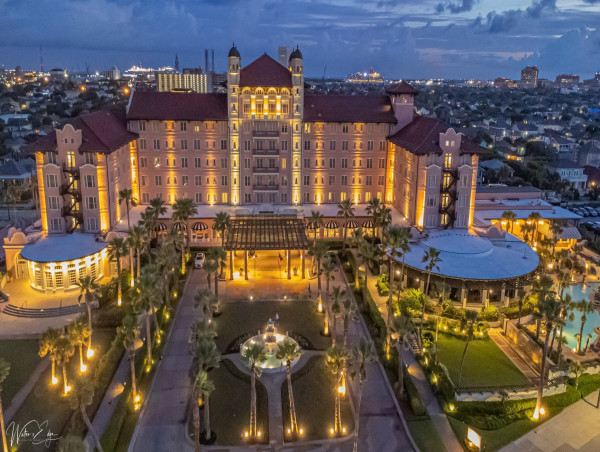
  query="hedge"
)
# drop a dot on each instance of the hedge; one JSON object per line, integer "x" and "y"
{"x": 375, "y": 316}
{"x": 588, "y": 384}
{"x": 414, "y": 399}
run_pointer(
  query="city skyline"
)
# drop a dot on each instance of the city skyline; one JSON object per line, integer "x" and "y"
{"x": 432, "y": 39}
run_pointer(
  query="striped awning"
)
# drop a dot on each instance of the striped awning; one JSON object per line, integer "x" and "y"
{"x": 351, "y": 224}
{"x": 179, "y": 226}
{"x": 160, "y": 227}
{"x": 331, "y": 225}
{"x": 310, "y": 226}
{"x": 368, "y": 224}
{"x": 199, "y": 226}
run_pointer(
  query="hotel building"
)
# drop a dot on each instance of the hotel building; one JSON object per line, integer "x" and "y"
{"x": 264, "y": 146}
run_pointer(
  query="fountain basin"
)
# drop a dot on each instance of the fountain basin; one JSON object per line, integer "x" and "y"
{"x": 271, "y": 364}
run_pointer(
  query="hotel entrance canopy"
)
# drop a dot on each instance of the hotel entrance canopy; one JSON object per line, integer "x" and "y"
{"x": 266, "y": 232}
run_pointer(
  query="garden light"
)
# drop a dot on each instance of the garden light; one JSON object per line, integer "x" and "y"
{"x": 245, "y": 434}
{"x": 451, "y": 407}
{"x": 54, "y": 380}
{"x": 331, "y": 431}
{"x": 90, "y": 353}
{"x": 259, "y": 433}
{"x": 301, "y": 431}
{"x": 83, "y": 368}
{"x": 343, "y": 429}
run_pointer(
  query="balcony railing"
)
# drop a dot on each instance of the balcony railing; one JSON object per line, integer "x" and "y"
{"x": 265, "y": 170}
{"x": 265, "y": 151}
{"x": 265, "y": 134}
{"x": 273, "y": 187}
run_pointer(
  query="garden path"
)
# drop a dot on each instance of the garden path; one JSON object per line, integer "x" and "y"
{"x": 502, "y": 343}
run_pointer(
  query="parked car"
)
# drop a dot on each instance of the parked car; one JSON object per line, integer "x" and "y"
{"x": 578, "y": 212}
{"x": 593, "y": 211}
{"x": 199, "y": 260}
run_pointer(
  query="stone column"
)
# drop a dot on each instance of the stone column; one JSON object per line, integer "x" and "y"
{"x": 484, "y": 298}
{"x": 289, "y": 264}
{"x": 303, "y": 258}
{"x": 404, "y": 280}
{"x": 503, "y": 298}
{"x": 231, "y": 264}
{"x": 246, "y": 265}
{"x": 422, "y": 285}
{"x": 463, "y": 297}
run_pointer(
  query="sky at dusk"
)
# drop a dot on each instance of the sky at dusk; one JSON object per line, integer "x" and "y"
{"x": 399, "y": 38}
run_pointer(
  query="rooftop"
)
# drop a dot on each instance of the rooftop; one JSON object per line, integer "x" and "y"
{"x": 61, "y": 248}
{"x": 165, "y": 106}
{"x": 347, "y": 108}
{"x": 467, "y": 256}
{"x": 265, "y": 72}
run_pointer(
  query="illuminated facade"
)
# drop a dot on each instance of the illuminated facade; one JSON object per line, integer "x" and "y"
{"x": 266, "y": 142}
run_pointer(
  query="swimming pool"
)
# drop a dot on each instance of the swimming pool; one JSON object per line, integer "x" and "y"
{"x": 578, "y": 293}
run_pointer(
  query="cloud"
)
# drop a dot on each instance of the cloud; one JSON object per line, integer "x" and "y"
{"x": 591, "y": 2}
{"x": 509, "y": 19}
{"x": 456, "y": 7}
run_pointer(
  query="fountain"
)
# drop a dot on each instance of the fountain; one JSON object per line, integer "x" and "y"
{"x": 269, "y": 339}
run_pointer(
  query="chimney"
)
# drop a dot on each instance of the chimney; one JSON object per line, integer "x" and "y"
{"x": 213, "y": 59}
{"x": 206, "y": 60}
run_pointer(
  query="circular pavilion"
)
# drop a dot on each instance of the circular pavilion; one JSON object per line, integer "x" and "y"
{"x": 57, "y": 262}
{"x": 475, "y": 268}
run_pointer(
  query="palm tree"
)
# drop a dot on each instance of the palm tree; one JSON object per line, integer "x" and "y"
{"x": 219, "y": 255}
{"x": 585, "y": 307}
{"x": 362, "y": 354}
{"x": 88, "y": 291}
{"x": 392, "y": 240}
{"x": 64, "y": 351}
{"x": 48, "y": 347}
{"x": 535, "y": 218}
{"x": 315, "y": 222}
{"x": 336, "y": 363}
{"x": 288, "y": 351}
{"x": 522, "y": 296}
{"x": 370, "y": 255}
{"x": 129, "y": 332}
{"x": 166, "y": 260}
{"x": 82, "y": 396}
{"x": 201, "y": 329}
{"x": 431, "y": 260}
{"x": 149, "y": 223}
{"x": 207, "y": 301}
{"x": 357, "y": 241}
{"x": 556, "y": 229}
{"x": 336, "y": 309}
{"x": 138, "y": 241}
{"x": 577, "y": 368}
{"x": 403, "y": 248}
{"x": 528, "y": 229}
{"x": 385, "y": 219}
{"x": 345, "y": 211}
{"x": 117, "y": 248}
{"x": 146, "y": 299}
{"x": 79, "y": 333}
{"x": 253, "y": 355}
{"x": 509, "y": 216}
{"x": 550, "y": 310}
{"x": 203, "y": 387}
{"x": 348, "y": 310}
{"x": 374, "y": 209}
{"x": 328, "y": 269}
{"x": 4, "y": 371}
{"x": 467, "y": 323}
{"x": 222, "y": 223}
{"x": 318, "y": 251}
{"x": 72, "y": 443}
{"x": 211, "y": 266}
{"x": 205, "y": 352}
{"x": 401, "y": 328}
{"x": 183, "y": 210}
{"x": 175, "y": 241}
{"x": 127, "y": 195}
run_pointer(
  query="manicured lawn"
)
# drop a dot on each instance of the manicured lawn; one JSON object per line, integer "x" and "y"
{"x": 47, "y": 403}
{"x": 485, "y": 364}
{"x": 296, "y": 317}
{"x": 425, "y": 435}
{"x": 495, "y": 439}
{"x": 23, "y": 356}
{"x": 314, "y": 398}
{"x": 230, "y": 405}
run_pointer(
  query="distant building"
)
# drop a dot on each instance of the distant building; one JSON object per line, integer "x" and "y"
{"x": 505, "y": 83}
{"x": 365, "y": 77}
{"x": 529, "y": 77}
{"x": 58, "y": 75}
{"x": 283, "y": 55}
{"x": 567, "y": 80}
{"x": 112, "y": 74}
{"x": 194, "y": 82}
{"x": 570, "y": 172}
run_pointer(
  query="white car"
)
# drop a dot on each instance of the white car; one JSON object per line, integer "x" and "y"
{"x": 199, "y": 260}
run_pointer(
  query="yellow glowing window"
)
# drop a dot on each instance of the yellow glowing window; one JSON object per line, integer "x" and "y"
{"x": 447, "y": 160}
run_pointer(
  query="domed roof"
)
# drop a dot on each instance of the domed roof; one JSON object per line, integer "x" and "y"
{"x": 233, "y": 52}
{"x": 296, "y": 54}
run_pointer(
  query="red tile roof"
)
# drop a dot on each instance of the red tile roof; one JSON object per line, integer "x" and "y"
{"x": 330, "y": 108}
{"x": 422, "y": 136}
{"x": 402, "y": 88}
{"x": 265, "y": 72}
{"x": 151, "y": 105}
{"x": 102, "y": 131}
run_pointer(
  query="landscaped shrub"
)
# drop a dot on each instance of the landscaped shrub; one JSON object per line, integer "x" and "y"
{"x": 414, "y": 399}
{"x": 489, "y": 314}
{"x": 375, "y": 316}
{"x": 588, "y": 384}
{"x": 383, "y": 287}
